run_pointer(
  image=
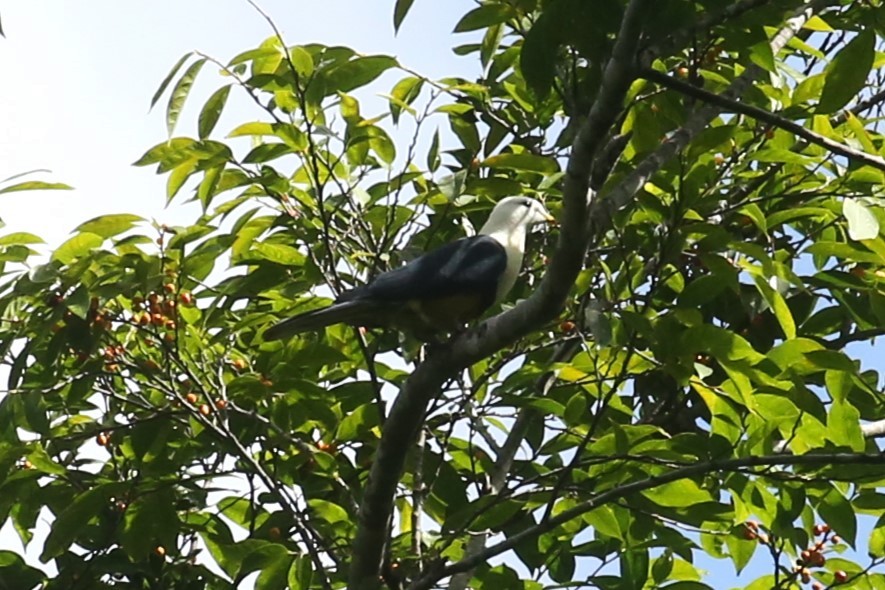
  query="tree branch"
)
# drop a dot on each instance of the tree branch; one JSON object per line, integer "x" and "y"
{"x": 408, "y": 410}
{"x": 727, "y": 104}
{"x": 428, "y": 580}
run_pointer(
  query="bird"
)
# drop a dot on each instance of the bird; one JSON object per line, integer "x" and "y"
{"x": 441, "y": 290}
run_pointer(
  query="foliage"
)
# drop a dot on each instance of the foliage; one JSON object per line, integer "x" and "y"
{"x": 702, "y": 392}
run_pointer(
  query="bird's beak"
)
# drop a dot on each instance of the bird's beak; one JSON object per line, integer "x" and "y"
{"x": 549, "y": 219}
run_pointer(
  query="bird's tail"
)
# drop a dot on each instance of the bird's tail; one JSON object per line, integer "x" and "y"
{"x": 346, "y": 312}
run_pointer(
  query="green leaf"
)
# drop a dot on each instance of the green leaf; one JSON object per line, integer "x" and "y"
{"x": 279, "y": 253}
{"x": 862, "y": 224}
{"x": 433, "y": 160}
{"x": 357, "y": 424}
{"x": 253, "y": 128}
{"x": 877, "y": 539}
{"x": 78, "y": 302}
{"x": 836, "y": 511}
{"x": 528, "y": 162}
{"x": 603, "y": 520}
{"x": 168, "y": 78}
{"x": 843, "y": 426}
{"x": 74, "y": 518}
{"x": 778, "y": 306}
{"x": 484, "y": 16}
{"x": 20, "y": 238}
{"x": 212, "y": 111}
{"x": 301, "y": 573}
{"x": 292, "y": 136}
{"x": 678, "y": 494}
{"x": 404, "y": 94}
{"x": 495, "y": 514}
{"x": 782, "y": 156}
{"x": 79, "y": 245}
{"x": 150, "y": 520}
{"x": 452, "y": 186}
{"x": 14, "y": 572}
{"x": 357, "y": 73}
{"x": 721, "y": 343}
{"x": 35, "y": 185}
{"x": 179, "y": 94}
{"x": 302, "y": 61}
{"x": 740, "y": 549}
{"x": 329, "y": 511}
{"x": 844, "y": 251}
{"x": 838, "y": 383}
{"x": 846, "y": 75}
{"x": 108, "y": 226}
{"x": 400, "y": 10}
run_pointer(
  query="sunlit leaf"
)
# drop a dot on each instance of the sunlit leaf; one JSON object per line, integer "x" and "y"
{"x": 179, "y": 94}
{"x": 35, "y": 185}
{"x": 212, "y": 111}
{"x": 165, "y": 83}
{"x": 862, "y": 224}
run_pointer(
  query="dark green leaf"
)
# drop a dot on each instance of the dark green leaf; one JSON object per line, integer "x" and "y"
{"x": 14, "y": 572}
{"x": 357, "y": 73}
{"x": 212, "y": 111}
{"x": 528, "y": 162}
{"x": 74, "y": 518}
{"x": 400, "y": 10}
{"x": 836, "y": 511}
{"x": 484, "y": 16}
{"x": 846, "y": 74}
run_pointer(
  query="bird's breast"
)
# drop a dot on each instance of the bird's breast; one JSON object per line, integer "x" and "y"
{"x": 511, "y": 271}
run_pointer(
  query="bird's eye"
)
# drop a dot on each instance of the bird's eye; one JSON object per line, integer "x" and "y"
{"x": 527, "y": 203}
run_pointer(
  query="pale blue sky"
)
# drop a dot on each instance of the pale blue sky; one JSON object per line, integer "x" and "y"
{"x": 78, "y": 77}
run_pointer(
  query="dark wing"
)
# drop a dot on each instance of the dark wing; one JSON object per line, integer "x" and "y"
{"x": 469, "y": 266}
{"x": 468, "y": 269}
{"x": 349, "y": 312}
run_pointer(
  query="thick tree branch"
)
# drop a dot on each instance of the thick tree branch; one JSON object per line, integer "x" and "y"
{"x": 620, "y": 492}
{"x": 735, "y": 106}
{"x": 408, "y": 410}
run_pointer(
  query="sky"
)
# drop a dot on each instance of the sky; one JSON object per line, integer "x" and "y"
{"x": 78, "y": 78}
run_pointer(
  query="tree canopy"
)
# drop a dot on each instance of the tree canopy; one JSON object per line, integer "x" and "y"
{"x": 686, "y": 367}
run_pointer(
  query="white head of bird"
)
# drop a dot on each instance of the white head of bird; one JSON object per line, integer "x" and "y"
{"x": 512, "y": 217}
{"x": 508, "y": 224}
